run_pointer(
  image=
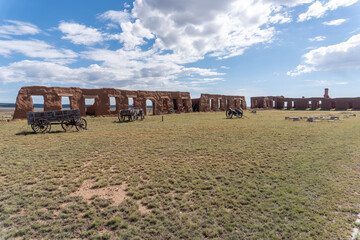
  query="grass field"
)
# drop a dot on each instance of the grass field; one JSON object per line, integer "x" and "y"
{"x": 193, "y": 176}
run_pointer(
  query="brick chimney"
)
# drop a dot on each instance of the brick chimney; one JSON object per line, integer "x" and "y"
{"x": 326, "y": 95}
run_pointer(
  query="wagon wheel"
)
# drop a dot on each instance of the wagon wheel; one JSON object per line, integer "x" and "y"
{"x": 41, "y": 126}
{"x": 81, "y": 124}
{"x": 67, "y": 125}
{"x": 134, "y": 117}
{"x": 171, "y": 110}
{"x": 239, "y": 115}
{"x": 142, "y": 116}
{"x": 229, "y": 113}
{"x": 121, "y": 117}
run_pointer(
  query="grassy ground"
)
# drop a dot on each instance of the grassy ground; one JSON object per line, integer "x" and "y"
{"x": 193, "y": 176}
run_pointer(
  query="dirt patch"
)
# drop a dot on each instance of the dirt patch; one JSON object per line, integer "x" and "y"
{"x": 116, "y": 193}
{"x": 143, "y": 209}
{"x": 86, "y": 164}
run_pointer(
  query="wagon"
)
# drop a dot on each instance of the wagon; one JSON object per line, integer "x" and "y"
{"x": 41, "y": 121}
{"x": 238, "y": 113}
{"x": 131, "y": 114}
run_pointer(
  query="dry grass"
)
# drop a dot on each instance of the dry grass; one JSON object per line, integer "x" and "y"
{"x": 192, "y": 176}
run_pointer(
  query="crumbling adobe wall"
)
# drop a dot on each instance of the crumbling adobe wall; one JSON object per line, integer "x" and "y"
{"x": 212, "y": 102}
{"x": 269, "y": 102}
{"x": 305, "y": 103}
{"x": 163, "y": 101}
{"x": 52, "y": 99}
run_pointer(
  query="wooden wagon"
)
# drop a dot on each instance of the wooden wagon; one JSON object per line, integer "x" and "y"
{"x": 41, "y": 121}
{"x": 131, "y": 114}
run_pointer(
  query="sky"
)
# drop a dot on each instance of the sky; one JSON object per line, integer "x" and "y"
{"x": 289, "y": 48}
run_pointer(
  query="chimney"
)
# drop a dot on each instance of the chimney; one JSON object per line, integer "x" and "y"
{"x": 326, "y": 95}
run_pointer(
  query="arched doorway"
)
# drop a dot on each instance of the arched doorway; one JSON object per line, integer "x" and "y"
{"x": 150, "y": 107}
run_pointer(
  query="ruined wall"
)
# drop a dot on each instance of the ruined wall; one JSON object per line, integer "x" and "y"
{"x": 305, "y": 103}
{"x": 213, "y": 102}
{"x": 162, "y": 101}
{"x": 269, "y": 102}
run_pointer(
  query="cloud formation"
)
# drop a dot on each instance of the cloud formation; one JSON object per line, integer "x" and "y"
{"x": 17, "y": 28}
{"x": 318, "y": 9}
{"x": 342, "y": 56}
{"x": 80, "y": 34}
{"x": 317, "y": 39}
{"x": 156, "y": 39}
{"x": 335, "y": 22}
{"x": 34, "y": 49}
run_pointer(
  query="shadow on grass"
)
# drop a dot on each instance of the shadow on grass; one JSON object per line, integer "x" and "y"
{"x": 25, "y": 133}
{"x": 127, "y": 121}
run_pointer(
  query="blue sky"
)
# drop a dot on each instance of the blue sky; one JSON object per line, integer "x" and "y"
{"x": 292, "y": 48}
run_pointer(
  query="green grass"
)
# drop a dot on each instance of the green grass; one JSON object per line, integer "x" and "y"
{"x": 198, "y": 175}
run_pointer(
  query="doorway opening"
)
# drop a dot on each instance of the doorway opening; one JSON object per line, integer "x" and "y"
{"x": 38, "y": 103}
{"x": 333, "y": 104}
{"x": 112, "y": 104}
{"x": 150, "y": 107}
{"x": 131, "y": 102}
{"x": 176, "y": 107}
{"x": 90, "y": 106}
{"x": 65, "y": 103}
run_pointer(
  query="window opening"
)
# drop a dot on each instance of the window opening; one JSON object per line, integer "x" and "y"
{"x": 38, "y": 103}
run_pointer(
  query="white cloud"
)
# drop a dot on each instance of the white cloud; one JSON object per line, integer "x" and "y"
{"x": 289, "y": 3}
{"x": 336, "y": 22}
{"x": 345, "y": 55}
{"x": 34, "y": 49}
{"x": 196, "y": 28}
{"x": 18, "y": 28}
{"x": 224, "y": 67}
{"x": 116, "y": 16}
{"x": 158, "y": 38}
{"x": 324, "y": 83}
{"x": 80, "y": 34}
{"x": 318, "y": 9}
{"x": 279, "y": 18}
{"x": 317, "y": 39}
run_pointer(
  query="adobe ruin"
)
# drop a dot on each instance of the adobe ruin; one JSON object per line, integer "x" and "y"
{"x": 216, "y": 102}
{"x": 313, "y": 103}
{"x": 163, "y": 102}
